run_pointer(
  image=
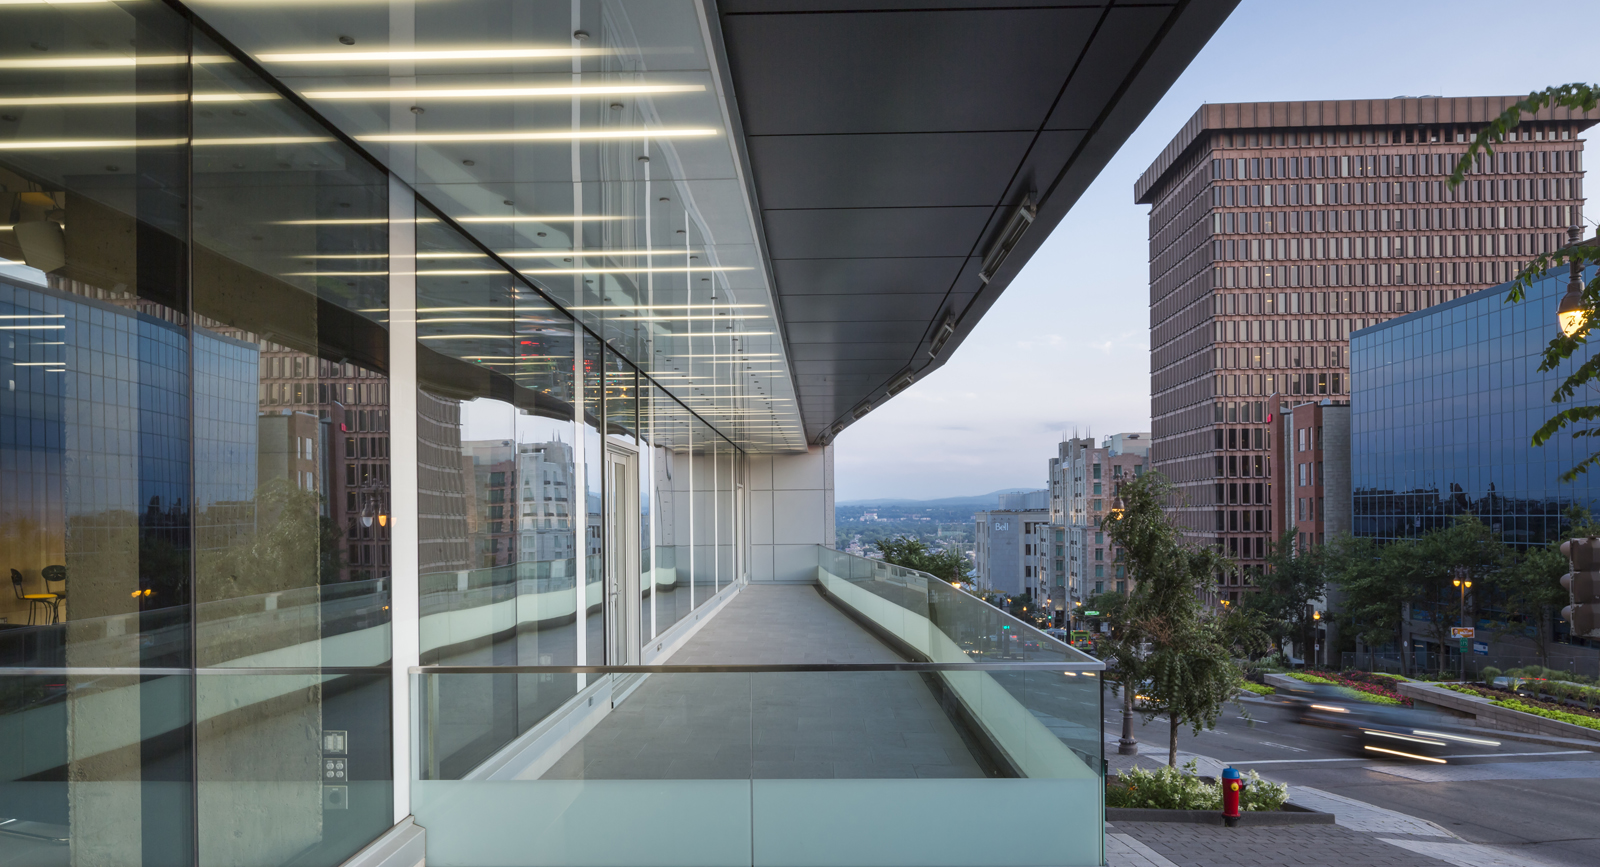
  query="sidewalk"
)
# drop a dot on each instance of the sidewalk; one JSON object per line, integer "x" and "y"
{"x": 1362, "y": 836}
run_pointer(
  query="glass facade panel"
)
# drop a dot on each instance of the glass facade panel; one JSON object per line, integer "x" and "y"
{"x": 196, "y": 485}
{"x": 502, "y": 499}
{"x": 1443, "y": 410}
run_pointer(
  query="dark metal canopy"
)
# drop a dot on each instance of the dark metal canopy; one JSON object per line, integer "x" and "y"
{"x": 897, "y": 147}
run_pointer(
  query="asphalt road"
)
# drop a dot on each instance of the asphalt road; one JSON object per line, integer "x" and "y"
{"x": 1549, "y": 810}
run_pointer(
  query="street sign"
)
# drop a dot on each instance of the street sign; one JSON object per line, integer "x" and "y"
{"x": 1464, "y": 641}
{"x": 1091, "y": 614}
{"x": 1461, "y": 632}
{"x": 1481, "y": 648}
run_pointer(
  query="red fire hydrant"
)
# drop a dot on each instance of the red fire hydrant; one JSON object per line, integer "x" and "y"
{"x": 1232, "y": 785}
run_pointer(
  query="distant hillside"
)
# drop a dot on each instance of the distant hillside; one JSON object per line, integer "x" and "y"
{"x": 990, "y": 500}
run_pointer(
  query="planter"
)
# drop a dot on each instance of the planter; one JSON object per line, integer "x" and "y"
{"x": 1291, "y": 814}
{"x": 1500, "y": 718}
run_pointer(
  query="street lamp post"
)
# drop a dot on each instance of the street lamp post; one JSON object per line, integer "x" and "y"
{"x": 1316, "y": 638}
{"x": 1570, "y": 313}
{"x": 1463, "y": 585}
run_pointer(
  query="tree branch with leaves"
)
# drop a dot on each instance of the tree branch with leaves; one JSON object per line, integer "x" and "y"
{"x": 1581, "y": 98}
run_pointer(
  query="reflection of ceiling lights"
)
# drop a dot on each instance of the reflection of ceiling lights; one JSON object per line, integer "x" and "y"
{"x": 103, "y": 62}
{"x": 544, "y": 135}
{"x": 428, "y": 55}
{"x": 597, "y": 270}
{"x": 112, "y": 144}
{"x": 506, "y": 92}
{"x": 597, "y": 253}
{"x": 542, "y": 218}
{"x": 86, "y": 144}
{"x": 264, "y": 140}
{"x": 130, "y": 98}
{"x": 363, "y": 221}
{"x": 670, "y": 307}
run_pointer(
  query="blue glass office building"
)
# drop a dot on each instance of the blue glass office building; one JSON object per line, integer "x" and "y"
{"x": 1443, "y": 409}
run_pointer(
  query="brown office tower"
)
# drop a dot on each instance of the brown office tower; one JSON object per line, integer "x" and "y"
{"x": 1278, "y": 228}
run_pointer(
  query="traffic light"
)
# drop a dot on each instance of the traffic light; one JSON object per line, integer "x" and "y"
{"x": 1583, "y": 586}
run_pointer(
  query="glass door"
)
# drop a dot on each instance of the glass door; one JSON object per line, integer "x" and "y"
{"x": 622, "y": 555}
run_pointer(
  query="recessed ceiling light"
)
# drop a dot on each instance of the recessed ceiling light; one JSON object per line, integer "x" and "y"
{"x": 541, "y": 218}
{"x": 542, "y": 135}
{"x": 425, "y": 56}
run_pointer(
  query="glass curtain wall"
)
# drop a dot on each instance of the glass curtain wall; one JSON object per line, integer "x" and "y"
{"x": 193, "y": 456}
{"x": 513, "y": 498}
{"x": 501, "y": 500}
{"x": 195, "y": 476}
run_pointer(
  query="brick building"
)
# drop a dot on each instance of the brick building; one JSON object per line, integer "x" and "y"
{"x": 1278, "y": 228}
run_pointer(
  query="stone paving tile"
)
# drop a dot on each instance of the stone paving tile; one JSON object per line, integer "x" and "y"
{"x": 1464, "y": 854}
{"x": 1282, "y": 846}
{"x": 1124, "y": 851}
{"x": 1360, "y": 816}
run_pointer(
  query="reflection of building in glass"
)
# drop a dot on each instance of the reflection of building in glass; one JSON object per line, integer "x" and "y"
{"x": 82, "y": 490}
{"x": 545, "y": 476}
{"x": 441, "y": 486}
{"x": 521, "y": 502}
{"x": 351, "y": 404}
{"x": 1444, "y": 407}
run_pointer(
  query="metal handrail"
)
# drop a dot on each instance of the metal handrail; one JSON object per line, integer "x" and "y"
{"x": 759, "y": 667}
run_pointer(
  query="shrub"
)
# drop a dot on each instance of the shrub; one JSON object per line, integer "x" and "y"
{"x": 1259, "y": 794}
{"x": 1559, "y": 715}
{"x": 1312, "y": 678}
{"x": 1163, "y": 789}
{"x": 1175, "y": 789}
{"x": 1489, "y": 674}
{"x": 1257, "y": 688}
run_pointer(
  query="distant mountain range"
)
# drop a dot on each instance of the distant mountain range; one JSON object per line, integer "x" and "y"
{"x": 980, "y": 501}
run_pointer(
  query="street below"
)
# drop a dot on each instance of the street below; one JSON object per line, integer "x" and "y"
{"x": 1533, "y": 800}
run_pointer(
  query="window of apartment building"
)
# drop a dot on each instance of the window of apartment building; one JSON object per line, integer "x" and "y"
{"x": 1099, "y": 571}
{"x": 1099, "y": 553}
{"x": 1097, "y": 471}
{"x": 1097, "y": 487}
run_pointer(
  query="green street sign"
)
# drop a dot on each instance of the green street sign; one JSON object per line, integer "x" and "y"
{"x": 1464, "y": 644}
{"x": 1091, "y": 614}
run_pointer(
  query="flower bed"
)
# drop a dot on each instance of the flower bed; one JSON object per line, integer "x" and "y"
{"x": 1565, "y": 716}
{"x": 1365, "y": 686}
{"x": 1257, "y": 688}
{"x": 1526, "y": 704}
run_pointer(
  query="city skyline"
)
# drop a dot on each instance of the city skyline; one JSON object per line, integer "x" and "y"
{"x": 993, "y": 415}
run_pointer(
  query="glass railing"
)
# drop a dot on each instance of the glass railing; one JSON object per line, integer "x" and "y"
{"x": 862, "y": 764}
{"x": 939, "y": 621}
{"x": 932, "y": 620}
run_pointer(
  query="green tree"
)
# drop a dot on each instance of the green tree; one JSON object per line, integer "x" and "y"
{"x": 1293, "y": 581}
{"x": 1467, "y": 550}
{"x": 949, "y": 564}
{"x": 1374, "y": 589}
{"x": 1530, "y": 590}
{"x": 1378, "y": 583}
{"x": 1170, "y": 639}
{"x": 1582, "y": 98}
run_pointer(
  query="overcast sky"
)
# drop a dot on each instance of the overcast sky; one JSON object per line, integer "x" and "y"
{"x": 1067, "y": 345}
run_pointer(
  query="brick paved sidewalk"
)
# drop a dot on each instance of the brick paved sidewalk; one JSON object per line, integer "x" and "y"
{"x": 1363, "y": 836}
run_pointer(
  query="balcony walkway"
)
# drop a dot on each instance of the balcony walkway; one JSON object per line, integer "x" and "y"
{"x": 811, "y": 724}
